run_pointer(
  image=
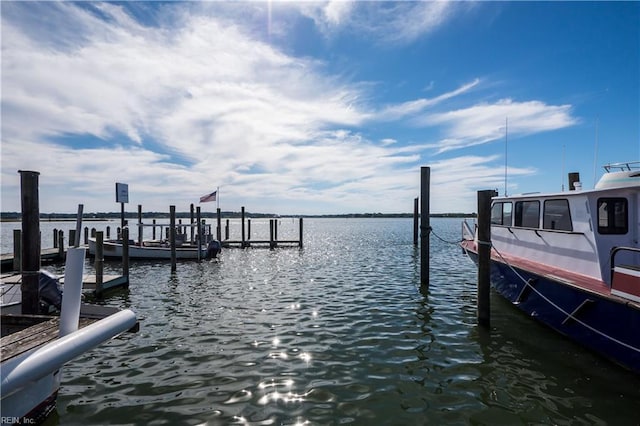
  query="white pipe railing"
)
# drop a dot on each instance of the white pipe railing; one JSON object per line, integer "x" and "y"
{"x": 19, "y": 372}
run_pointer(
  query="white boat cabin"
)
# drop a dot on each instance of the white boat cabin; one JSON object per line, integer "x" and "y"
{"x": 574, "y": 230}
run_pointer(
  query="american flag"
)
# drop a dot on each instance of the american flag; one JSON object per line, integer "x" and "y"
{"x": 208, "y": 197}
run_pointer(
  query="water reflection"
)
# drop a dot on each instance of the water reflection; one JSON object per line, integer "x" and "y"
{"x": 338, "y": 333}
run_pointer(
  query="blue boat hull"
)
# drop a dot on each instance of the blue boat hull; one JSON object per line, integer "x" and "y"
{"x": 608, "y": 326}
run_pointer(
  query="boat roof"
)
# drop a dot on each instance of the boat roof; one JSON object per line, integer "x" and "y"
{"x": 616, "y": 176}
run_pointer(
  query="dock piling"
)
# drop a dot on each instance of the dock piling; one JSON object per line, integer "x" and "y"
{"x": 199, "y": 245}
{"x": 125, "y": 253}
{"x": 416, "y": 215}
{"x": 99, "y": 262}
{"x": 300, "y": 238}
{"x": 76, "y": 241}
{"x": 191, "y": 218}
{"x": 140, "y": 228}
{"x": 244, "y": 243}
{"x": 425, "y": 227}
{"x": 172, "y": 236}
{"x": 30, "y": 241}
{"x": 17, "y": 250}
{"x": 61, "y": 244}
{"x": 484, "y": 256}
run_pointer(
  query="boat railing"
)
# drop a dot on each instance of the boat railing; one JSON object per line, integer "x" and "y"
{"x": 623, "y": 167}
{"x": 468, "y": 233}
{"x": 612, "y": 257}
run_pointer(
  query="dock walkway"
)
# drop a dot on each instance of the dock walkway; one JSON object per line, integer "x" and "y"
{"x": 88, "y": 281}
{"x": 48, "y": 255}
{"x": 31, "y": 337}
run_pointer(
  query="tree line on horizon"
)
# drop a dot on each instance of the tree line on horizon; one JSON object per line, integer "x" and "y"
{"x": 13, "y": 216}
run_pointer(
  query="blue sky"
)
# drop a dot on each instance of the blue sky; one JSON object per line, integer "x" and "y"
{"x": 313, "y": 107}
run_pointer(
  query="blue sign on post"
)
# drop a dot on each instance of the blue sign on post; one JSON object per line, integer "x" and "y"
{"x": 122, "y": 193}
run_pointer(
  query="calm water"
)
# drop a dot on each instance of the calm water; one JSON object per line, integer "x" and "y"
{"x": 337, "y": 333}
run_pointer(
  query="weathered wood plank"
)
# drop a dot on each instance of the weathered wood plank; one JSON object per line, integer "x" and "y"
{"x": 33, "y": 337}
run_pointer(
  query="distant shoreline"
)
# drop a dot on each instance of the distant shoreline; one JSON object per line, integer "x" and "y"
{"x": 95, "y": 217}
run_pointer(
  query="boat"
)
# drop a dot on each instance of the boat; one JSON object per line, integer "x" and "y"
{"x": 571, "y": 260}
{"x": 159, "y": 249}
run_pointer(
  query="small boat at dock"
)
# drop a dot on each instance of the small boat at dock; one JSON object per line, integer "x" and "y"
{"x": 160, "y": 249}
{"x": 571, "y": 260}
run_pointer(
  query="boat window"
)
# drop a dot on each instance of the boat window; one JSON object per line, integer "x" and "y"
{"x": 501, "y": 214}
{"x": 557, "y": 215}
{"x": 613, "y": 216}
{"x": 527, "y": 214}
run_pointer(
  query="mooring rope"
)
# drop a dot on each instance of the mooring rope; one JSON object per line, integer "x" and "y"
{"x": 613, "y": 339}
{"x": 430, "y": 230}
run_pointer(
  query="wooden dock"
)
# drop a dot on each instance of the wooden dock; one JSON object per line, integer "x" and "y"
{"x": 48, "y": 255}
{"x": 260, "y": 243}
{"x": 89, "y": 285}
{"x": 44, "y": 329}
{"x": 22, "y": 333}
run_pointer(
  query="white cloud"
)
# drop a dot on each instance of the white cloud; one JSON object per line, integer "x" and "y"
{"x": 401, "y": 110}
{"x": 197, "y": 102}
{"x": 486, "y": 122}
{"x": 398, "y": 22}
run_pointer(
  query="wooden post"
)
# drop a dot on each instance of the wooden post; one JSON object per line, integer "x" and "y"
{"x": 153, "y": 232}
{"x": 415, "y": 221}
{"x": 122, "y": 224}
{"x": 172, "y": 236}
{"x": 86, "y": 235}
{"x": 242, "y": 227}
{"x": 425, "y": 227}
{"x": 140, "y": 228}
{"x": 99, "y": 263}
{"x": 108, "y": 232}
{"x": 17, "y": 250}
{"x": 191, "y": 209}
{"x": 72, "y": 237}
{"x": 199, "y": 245}
{"x": 78, "y": 226}
{"x": 125, "y": 253}
{"x": 61, "y": 244}
{"x": 484, "y": 255}
{"x": 248, "y": 230}
{"x": 275, "y": 231}
{"x": 271, "y": 244}
{"x": 93, "y": 233}
{"x": 226, "y": 230}
{"x": 119, "y": 233}
{"x": 30, "y": 241}
{"x": 55, "y": 237}
{"x": 219, "y": 228}
{"x": 300, "y": 240}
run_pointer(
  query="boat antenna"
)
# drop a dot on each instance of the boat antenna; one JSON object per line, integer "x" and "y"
{"x": 506, "y": 132}
{"x": 595, "y": 155}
